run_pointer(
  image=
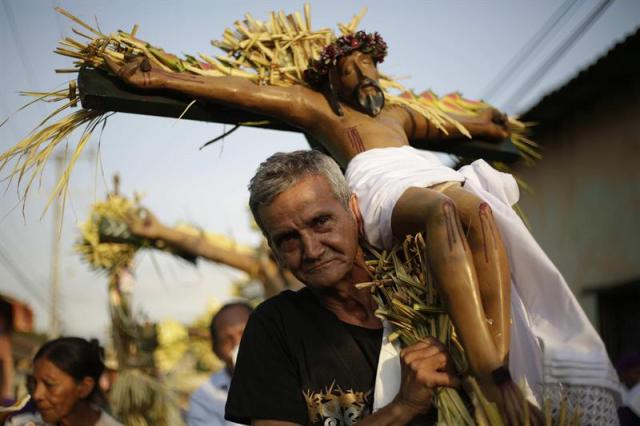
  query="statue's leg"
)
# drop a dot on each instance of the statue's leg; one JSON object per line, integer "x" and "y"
{"x": 451, "y": 261}
{"x": 491, "y": 263}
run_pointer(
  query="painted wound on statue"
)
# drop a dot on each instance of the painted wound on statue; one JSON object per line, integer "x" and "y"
{"x": 488, "y": 229}
{"x": 355, "y": 139}
{"x": 454, "y": 230}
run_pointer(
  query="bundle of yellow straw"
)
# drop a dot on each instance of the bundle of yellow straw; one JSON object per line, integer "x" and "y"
{"x": 408, "y": 299}
{"x": 103, "y": 255}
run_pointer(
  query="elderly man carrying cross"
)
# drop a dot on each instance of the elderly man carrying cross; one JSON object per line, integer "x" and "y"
{"x": 402, "y": 190}
{"x": 310, "y": 357}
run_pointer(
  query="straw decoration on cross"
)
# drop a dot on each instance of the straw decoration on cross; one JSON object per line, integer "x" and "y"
{"x": 275, "y": 52}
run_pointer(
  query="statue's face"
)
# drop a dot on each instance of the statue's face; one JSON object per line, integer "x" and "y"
{"x": 357, "y": 83}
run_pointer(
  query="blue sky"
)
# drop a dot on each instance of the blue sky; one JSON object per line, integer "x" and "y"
{"x": 442, "y": 45}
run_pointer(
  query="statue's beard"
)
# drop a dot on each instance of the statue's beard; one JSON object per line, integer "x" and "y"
{"x": 371, "y": 101}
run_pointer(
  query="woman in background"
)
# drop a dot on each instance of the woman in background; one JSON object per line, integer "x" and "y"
{"x": 64, "y": 385}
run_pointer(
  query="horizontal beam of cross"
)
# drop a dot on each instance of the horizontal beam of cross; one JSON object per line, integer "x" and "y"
{"x": 101, "y": 91}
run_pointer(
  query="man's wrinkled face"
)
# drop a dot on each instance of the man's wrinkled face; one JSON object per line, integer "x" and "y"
{"x": 55, "y": 392}
{"x": 311, "y": 233}
{"x": 358, "y": 82}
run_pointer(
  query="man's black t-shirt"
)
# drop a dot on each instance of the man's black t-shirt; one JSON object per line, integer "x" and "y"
{"x": 299, "y": 363}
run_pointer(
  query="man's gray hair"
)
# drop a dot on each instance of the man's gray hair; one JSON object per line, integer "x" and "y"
{"x": 283, "y": 170}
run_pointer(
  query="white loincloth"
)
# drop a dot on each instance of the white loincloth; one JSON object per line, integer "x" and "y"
{"x": 552, "y": 341}
{"x": 381, "y": 184}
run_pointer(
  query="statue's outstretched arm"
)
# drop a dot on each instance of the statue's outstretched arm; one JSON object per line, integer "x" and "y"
{"x": 198, "y": 245}
{"x": 489, "y": 125}
{"x": 150, "y": 228}
{"x": 291, "y": 104}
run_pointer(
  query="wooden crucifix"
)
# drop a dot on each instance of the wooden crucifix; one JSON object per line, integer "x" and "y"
{"x": 102, "y": 91}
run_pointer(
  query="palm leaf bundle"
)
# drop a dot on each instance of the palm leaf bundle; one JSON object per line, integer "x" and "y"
{"x": 455, "y": 103}
{"x": 407, "y": 298}
{"x": 141, "y": 400}
{"x": 108, "y": 217}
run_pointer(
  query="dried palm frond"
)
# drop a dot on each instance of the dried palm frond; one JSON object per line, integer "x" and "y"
{"x": 403, "y": 288}
{"x": 141, "y": 400}
{"x": 33, "y": 152}
{"x": 274, "y": 52}
{"x": 110, "y": 217}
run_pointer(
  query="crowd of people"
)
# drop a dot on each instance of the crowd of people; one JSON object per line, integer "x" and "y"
{"x": 66, "y": 382}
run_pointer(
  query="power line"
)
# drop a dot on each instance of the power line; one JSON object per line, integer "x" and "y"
{"x": 31, "y": 79}
{"x": 26, "y": 283}
{"x": 21, "y": 278}
{"x": 558, "y": 53}
{"x": 18, "y": 250}
{"x": 527, "y": 50}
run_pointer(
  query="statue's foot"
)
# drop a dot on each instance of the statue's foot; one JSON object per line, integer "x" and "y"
{"x": 516, "y": 409}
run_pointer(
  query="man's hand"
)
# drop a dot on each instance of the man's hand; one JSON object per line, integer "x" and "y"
{"x": 140, "y": 72}
{"x": 425, "y": 366}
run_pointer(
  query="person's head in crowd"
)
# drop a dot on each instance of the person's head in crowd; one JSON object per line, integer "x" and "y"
{"x": 226, "y": 329}
{"x": 64, "y": 382}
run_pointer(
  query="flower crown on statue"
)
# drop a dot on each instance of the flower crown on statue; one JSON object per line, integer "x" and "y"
{"x": 371, "y": 43}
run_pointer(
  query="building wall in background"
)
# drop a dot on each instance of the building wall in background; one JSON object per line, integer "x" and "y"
{"x": 584, "y": 211}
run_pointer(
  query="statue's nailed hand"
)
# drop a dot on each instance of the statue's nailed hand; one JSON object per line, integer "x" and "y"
{"x": 491, "y": 124}
{"x": 139, "y": 72}
{"x": 515, "y": 408}
{"x": 144, "y": 224}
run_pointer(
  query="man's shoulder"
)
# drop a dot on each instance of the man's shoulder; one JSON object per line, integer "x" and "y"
{"x": 285, "y": 301}
{"x": 208, "y": 399}
{"x": 206, "y": 404}
{"x": 221, "y": 379}
{"x": 286, "y": 314}
{"x": 203, "y": 393}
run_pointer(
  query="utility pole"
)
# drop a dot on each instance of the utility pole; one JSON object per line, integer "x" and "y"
{"x": 54, "y": 325}
{"x": 54, "y": 320}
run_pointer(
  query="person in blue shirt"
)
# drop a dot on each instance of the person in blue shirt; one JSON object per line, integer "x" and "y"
{"x": 206, "y": 406}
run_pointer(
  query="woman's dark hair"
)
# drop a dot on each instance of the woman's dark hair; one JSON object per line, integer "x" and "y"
{"x": 77, "y": 357}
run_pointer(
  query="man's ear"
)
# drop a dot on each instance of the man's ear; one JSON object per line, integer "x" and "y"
{"x": 357, "y": 215}
{"x": 86, "y": 386}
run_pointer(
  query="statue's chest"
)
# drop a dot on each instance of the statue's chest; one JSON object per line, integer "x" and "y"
{"x": 384, "y": 125}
